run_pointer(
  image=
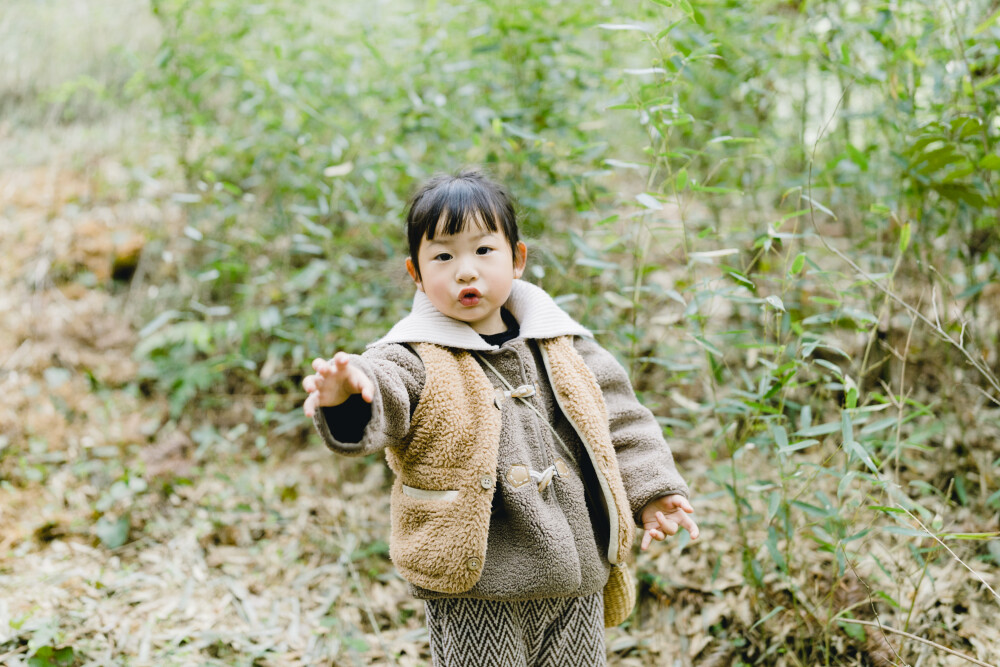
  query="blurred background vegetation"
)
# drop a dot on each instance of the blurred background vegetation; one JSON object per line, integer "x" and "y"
{"x": 782, "y": 217}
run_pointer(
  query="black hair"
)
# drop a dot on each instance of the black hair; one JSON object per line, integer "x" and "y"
{"x": 458, "y": 200}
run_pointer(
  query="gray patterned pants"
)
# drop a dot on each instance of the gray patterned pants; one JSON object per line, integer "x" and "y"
{"x": 551, "y": 632}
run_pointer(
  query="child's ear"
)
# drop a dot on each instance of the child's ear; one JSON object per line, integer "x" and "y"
{"x": 520, "y": 259}
{"x": 412, "y": 270}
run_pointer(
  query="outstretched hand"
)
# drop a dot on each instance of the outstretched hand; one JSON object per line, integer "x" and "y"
{"x": 334, "y": 382}
{"x": 665, "y": 516}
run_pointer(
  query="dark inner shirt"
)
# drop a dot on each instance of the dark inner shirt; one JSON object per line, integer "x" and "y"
{"x": 348, "y": 420}
{"x": 512, "y": 332}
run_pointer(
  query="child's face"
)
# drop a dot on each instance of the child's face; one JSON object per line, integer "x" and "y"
{"x": 468, "y": 276}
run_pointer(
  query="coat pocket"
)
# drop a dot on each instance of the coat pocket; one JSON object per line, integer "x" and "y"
{"x": 447, "y": 495}
{"x": 439, "y": 533}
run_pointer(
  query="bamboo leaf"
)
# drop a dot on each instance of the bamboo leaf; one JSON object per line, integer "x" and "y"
{"x": 711, "y": 349}
{"x": 709, "y": 254}
{"x": 796, "y": 446}
{"x": 780, "y": 436}
{"x": 624, "y": 26}
{"x": 649, "y": 201}
{"x": 818, "y": 206}
{"x": 819, "y": 429}
{"x": 829, "y": 365}
{"x": 904, "y": 238}
{"x": 680, "y": 181}
{"x": 768, "y": 616}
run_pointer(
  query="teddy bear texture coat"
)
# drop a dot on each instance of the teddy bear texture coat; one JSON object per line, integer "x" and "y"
{"x": 487, "y": 502}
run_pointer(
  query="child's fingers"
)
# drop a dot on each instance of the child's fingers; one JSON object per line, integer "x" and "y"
{"x": 337, "y": 365}
{"x": 312, "y": 383}
{"x": 341, "y": 361}
{"x": 684, "y": 504}
{"x": 690, "y": 526}
{"x": 650, "y": 535}
{"x": 339, "y": 368}
{"x": 364, "y": 386}
{"x": 668, "y": 526}
{"x": 677, "y": 501}
{"x": 309, "y": 407}
{"x": 357, "y": 382}
{"x": 338, "y": 375}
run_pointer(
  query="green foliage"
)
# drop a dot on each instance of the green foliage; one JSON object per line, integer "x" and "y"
{"x": 764, "y": 113}
{"x": 48, "y": 656}
{"x": 45, "y": 647}
{"x": 315, "y": 122}
{"x": 697, "y": 174}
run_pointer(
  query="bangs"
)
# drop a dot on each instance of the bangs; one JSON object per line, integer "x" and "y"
{"x": 448, "y": 205}
{"x": 453, "y": 208}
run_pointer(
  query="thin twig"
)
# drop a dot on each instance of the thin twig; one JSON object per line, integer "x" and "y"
{"x": 871, "y": 603}
{"x": 9, "y": 361}
{"x": 11, "y": 654}
{"x": 902, "y": 402}
{"x": 947, "y": 548}
{"x": 916, "y": 590}
{"x": 915, "y": 638}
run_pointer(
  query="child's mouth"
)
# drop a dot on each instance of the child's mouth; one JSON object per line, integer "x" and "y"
{"x": 469, "y": 297}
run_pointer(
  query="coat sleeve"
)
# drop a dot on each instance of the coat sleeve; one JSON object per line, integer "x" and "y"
{"x": 356, "y": 428}
{"x": 644, "y": 458}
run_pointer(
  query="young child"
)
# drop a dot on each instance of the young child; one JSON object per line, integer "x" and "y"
{"x": 523, "y": 460}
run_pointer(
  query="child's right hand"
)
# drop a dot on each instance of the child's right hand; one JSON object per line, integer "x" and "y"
{"x": 334, "y": 382}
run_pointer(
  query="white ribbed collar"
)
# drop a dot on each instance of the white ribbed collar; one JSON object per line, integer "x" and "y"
{"x": 535, "y": 311}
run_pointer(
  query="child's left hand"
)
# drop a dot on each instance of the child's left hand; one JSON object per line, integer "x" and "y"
{"x": 665, "y": 516}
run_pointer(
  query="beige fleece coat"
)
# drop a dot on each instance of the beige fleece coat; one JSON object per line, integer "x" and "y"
{"x": 467, "y": 519}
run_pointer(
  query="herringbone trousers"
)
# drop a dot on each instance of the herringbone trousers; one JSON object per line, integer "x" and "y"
{"x": 550, "y": 632}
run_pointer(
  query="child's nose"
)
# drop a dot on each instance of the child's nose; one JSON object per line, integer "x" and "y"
{"x": 466, "y": 271}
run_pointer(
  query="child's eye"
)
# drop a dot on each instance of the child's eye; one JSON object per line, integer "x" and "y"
{"x": 484, "y": 250}
{"x": 442, "y": 256}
